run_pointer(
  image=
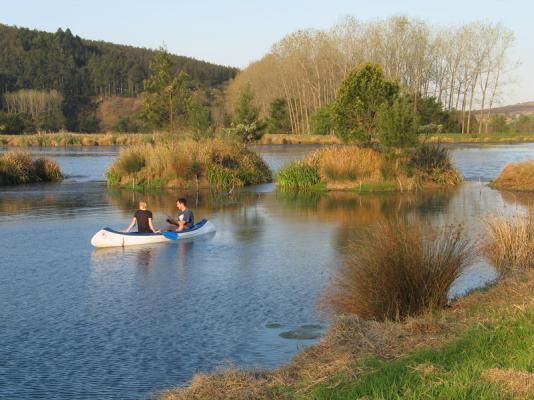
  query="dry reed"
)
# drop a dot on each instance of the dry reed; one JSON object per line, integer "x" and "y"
{"x": 516, "y": 176}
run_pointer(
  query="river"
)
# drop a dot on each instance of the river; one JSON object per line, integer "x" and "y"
{"x": 80, "y": 323}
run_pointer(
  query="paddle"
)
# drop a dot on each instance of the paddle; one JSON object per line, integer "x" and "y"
{"x": 170, "y": 235}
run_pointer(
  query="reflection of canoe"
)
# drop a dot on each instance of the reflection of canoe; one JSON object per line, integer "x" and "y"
{"x": 109, "y": 238}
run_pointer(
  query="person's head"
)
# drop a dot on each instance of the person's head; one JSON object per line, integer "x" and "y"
{"x": 181, "y": 204}
{"x": 142, "y": 205}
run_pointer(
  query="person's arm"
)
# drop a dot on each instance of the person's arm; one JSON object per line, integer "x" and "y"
{"x": 134, "y": 221}
{"x": 152, "y": 226}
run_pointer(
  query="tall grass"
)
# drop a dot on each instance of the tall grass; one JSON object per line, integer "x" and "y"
{"x": 19, "y": 168}
{"x": 298, "y": 175}
{"x": 509, "y": 243}
{"x": 399, "y": 269}
{"x": 62, "y": 139}
{"x": 516, "y": 176}
{"x": 189, "y": 165}
{"x": 433, "y": 162}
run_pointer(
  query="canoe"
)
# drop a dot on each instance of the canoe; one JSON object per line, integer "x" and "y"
{"x": 108, "y": 237}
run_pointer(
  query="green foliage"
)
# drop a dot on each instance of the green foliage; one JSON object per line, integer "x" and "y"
{"x": 89, "y": 123}
{"x": 278, "y": 121}
{"x": 322, "y": 122}
{"x": 198, "y": 119}
{"x": 246, "y": 125}
{"x": 16, "y": 123}
{"x": 298, "y": 175}
{"x": 358, "y": 101}
{"x": 433, "y": 162}
{"x": 126, "y": 124}
{"x": 498, "y": 124}
{"x": 397, "y": 124}
{"x": 165, "y": 95}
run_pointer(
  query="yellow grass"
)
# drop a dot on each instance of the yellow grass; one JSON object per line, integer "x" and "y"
{"x": 516, "y": 176}
{"x": 298, "y": 139}
{"x": 509, "y": 243}
{"x": 76, "y": 139}
{"x": 19, "y": 168}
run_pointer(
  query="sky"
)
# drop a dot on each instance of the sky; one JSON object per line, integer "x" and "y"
{"x": 233, "y": 32}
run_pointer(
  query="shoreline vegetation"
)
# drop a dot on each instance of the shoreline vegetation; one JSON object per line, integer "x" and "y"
{"x": 351, "y": 168}
{"x": 18, "y": 168}
{"x": 214, "y": 164}
{"x": 477, "y": 346}
{"x": 61, "y": 139}
{"x": 516, "y": 177}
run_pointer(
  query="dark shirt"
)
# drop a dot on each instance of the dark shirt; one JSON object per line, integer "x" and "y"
{"x": 142, "y": 216}
{"x": 187, "y": 216}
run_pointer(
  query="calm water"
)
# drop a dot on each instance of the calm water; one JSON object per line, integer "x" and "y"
{"x": 82, "y": 323}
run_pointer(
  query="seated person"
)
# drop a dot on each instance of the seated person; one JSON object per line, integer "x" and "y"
{"x": 185, "y": 220}
{"x": 143, "y": 219}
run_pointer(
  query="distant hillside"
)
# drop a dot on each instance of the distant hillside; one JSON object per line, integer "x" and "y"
{"x": 31, "y": 59}
{"x": 82, "y": 69}
{"x": 520, "y": 108}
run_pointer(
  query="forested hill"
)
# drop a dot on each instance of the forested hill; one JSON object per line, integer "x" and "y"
{"x": 31, "y": 59}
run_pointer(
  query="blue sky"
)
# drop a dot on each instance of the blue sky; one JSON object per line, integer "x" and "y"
{"x": 236, "y": 32}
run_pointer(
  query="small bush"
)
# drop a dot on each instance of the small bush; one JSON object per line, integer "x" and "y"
{"x": 434, "y": 163}
{"x": 509, "y": 243}
{"x": 322, "y": 122}
{"x": 397, "y": 124}
{"x": 47, "y": 170}
{"x": 298, "y": 175}
{"x": 399, "y": 269}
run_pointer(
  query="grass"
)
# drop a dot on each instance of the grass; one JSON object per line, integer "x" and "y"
{"x": 516, "y": 176}
{"x": 19, "y": 168}
{"x": 363, "y": 169}
{"x": 509, "y": 243}
{"x": 505, "y": 137}
{"x": 299, "y": 139}
{"x": 463, "y": 369}
{"x": 75, "y": 139}
{"x": 398, "y": 269}
{"x": 212, "y": 164}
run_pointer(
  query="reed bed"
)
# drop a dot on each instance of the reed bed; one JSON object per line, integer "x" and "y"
{"x": 399, "y": 269}
{"x": 211, "y": 164}
{"x": 365, "y": 169}
{"x": 509, "y": 243}
{"x": 63, "y": 139}
{"x": 19, "y": 168}
{"x": 516, "y": 176}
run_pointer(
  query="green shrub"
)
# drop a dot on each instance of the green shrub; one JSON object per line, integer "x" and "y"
{"x": 397, "y": 124}
{"x": 298, "y": 175}
{"x": 322, "y": 122}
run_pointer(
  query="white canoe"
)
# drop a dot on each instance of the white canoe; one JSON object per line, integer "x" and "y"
{"x": 109, "y": 238}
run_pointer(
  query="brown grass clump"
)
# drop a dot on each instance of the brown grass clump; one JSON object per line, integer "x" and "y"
{"x": 19, "y": 168}
{"x": 348, "y": 164}
{"x": 189, "y": 165}
{"x": 518, "y": 384}
{"x": 516, "y": 176}
{"x": 509, "y": 243}
{"x": 398, "y": 269}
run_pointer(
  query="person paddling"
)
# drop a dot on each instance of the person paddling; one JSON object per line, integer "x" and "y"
{"x": 143, "y": 219}
{"x": 186, "y": 218}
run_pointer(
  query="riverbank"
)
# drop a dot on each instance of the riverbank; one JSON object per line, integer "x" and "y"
{"x": 477, "y": 347}
{"x": 128, "y": 139}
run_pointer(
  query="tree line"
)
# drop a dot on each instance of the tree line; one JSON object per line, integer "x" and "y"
{"x": 449, "y": 71}
{"x": 82, "y": 70}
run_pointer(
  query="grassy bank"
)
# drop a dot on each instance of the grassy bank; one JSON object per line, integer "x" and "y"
{"x": 477, "y": 347}
{"x": 516, "y": 176}
{"x": 363, "y": 169}
{"x": 212, "y": 164}
{"x": 18, "y": 168}
{"x": 76, "y": 139}
{"x": 502, "y": 137}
